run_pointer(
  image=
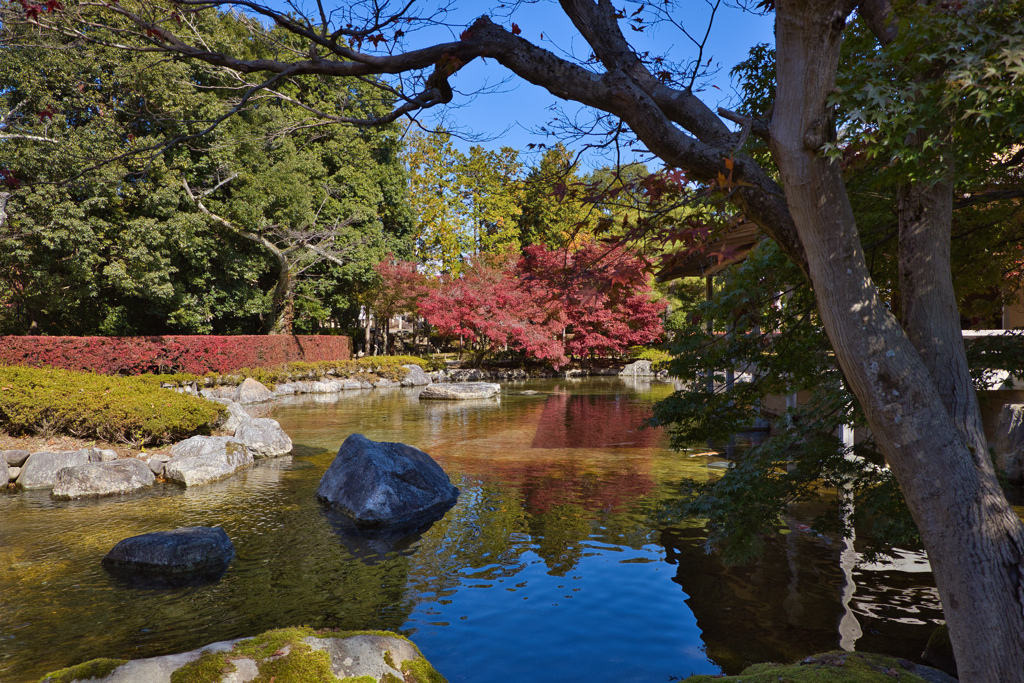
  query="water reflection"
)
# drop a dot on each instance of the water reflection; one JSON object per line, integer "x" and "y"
{"x": 552, "y": 549}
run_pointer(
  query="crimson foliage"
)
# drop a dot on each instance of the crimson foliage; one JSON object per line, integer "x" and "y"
{"x": 189, "y": 354}
{"x": 550, "y": 305}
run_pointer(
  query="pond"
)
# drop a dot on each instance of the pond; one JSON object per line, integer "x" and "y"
{"x": 554, "y": 565}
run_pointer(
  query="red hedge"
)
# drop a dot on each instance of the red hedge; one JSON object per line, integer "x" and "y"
{"x": 179, "y": 353}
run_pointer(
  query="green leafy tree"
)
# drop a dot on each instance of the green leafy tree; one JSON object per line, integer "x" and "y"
{"x": 274, "y": 219}
{"x": 466, "y": 205}
{"x": 555, "y": 209}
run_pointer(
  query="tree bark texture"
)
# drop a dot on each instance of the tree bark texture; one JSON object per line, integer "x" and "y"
{"x": 930, "y": 434}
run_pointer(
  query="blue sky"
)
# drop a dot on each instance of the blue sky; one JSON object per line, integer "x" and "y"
{"x": 508, "y": 116}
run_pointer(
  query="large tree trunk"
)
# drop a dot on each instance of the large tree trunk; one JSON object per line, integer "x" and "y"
{"x": 973, "y": 538}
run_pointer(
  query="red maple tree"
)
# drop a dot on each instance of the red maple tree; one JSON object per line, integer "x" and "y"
{"x": 549, "y": 305}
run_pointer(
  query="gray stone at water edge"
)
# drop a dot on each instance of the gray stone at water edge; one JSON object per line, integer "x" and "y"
{"x": 96, "y": 479}
{"x": 5, "y": 472}
{"x": 640, "y": 368}
{"x": 156, "y": 463}
{"x": 264, "y": 437}
{"x": 236, "y": 416}
{"x": 194, "y": 549}
{"x": 104, "y": 455}
{"x": 16, "y": 458}
{"x": 380, "y": 484}
{"x": 40, "y": 470}
{"x": 460, "y": 391}
{"x": 205, "y": 459}
{"x": 251, "y": 391}
{"x": 416, "y": 376}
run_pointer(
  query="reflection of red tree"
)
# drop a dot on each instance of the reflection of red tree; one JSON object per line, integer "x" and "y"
{"x": 594, "y": 422}
{"x": 608, "y": 481}
{"x": 546, "y": 485}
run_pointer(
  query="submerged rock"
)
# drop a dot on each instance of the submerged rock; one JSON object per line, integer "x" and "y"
{"x": 206, "y": 459}
{"x": 189, "y": 550}
{"x": 96, "y": 479}
{"x": 460, "y": 391}
{"x": 381, "y": 484}
{"x": 288, "y": 655}
{"x": 40, "y": 469}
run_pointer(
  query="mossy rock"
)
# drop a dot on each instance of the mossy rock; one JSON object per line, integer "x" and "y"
{"x": 830, "y": 667}
{"x": 939, "y": 651}
{"x": 96, "y": 668}
{"x": 289, "y": 655}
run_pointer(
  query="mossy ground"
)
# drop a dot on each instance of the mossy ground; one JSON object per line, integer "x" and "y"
{"x": 96, "y": 668}
{"x": 831, "y": 667}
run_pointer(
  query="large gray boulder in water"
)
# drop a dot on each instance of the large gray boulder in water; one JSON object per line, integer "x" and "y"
{"x": 96, "y": 479}
{"x": 460, "y": 391}
{"x": 40, "y": 470}
{"x": 379, "y": 484}
{"x": 205, "y": 459}
{"x": 194, "y": 549}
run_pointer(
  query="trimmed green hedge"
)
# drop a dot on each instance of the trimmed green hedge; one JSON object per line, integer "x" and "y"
{"x": 117, "y": 409}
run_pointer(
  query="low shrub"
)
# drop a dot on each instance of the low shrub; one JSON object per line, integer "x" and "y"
{"x": 381, "y": 366}
{"x": 659, "y": 358}
{"x": 117, "y": 409}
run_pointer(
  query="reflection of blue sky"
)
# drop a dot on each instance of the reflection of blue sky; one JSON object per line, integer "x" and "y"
{"x": 609, "y": 619}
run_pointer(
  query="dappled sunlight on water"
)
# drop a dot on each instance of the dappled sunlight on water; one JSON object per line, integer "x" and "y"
{"x": 552, "y": 566}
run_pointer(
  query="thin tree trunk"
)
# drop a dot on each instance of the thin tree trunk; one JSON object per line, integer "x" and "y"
{"x": 973, "y": 538}
{"x": 283, "y": 299}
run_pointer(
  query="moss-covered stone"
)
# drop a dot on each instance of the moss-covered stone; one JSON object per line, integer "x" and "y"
{"x": 302, "y": 664}
{"x": 96, "y": 668}
{"x": 268, "y": 643}
{"x": 280, "y": 656}
{"x": 939, "y": 650}
{"x": 421, "y": 671}
{"x": 209, "y": 668}
{"x": 830, "y": 667}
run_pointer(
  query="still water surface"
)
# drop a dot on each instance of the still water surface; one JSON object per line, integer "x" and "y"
{"x": 554, "y": 565}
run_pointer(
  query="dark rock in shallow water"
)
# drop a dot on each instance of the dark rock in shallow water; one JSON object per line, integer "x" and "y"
{"x": 190, "y": 554}
{"x": 379, "y": 484}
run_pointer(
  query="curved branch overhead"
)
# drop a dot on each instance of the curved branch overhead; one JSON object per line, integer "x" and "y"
{"x": 673, "y": 123}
